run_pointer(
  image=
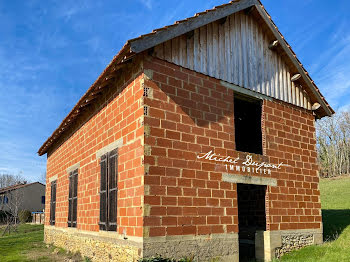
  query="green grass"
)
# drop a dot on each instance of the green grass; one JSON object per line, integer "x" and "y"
{"x": 27, "y": 245}
{"x": 335, "y": 199}
{"x": 14, "y": 247}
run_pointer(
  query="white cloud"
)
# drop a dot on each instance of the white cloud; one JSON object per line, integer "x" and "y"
{"x": 147, "y": 3}
{"x": 343, "y": 108}
{"x": 332, "y": 69}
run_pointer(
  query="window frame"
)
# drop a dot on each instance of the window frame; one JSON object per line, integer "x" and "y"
{"x": 4, "y": 199}
{"x": 259, "y": 105}
{"x": 43, "y": 199}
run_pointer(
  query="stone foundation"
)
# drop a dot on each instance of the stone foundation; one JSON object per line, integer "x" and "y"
{"x": 223, "y": 247}
{"x": 293, "y": 242}
{"x": 110, "y": 246}
{"x": 274, "y": 244}
{"x": 98, "y": 246}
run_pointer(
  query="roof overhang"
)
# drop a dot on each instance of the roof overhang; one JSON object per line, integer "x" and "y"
{"x": 90, "y": 96}
{"x": 161, "y": 35}
{"x": 148, "y": 41}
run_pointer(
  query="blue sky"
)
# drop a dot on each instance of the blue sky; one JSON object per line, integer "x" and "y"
{"x": 52, "y": 51}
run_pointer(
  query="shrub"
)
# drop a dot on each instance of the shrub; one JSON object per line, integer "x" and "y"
{"x": 24, "y": 216}
{"x": 3, "y": 216}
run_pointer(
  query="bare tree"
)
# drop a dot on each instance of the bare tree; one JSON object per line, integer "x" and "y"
{"x": 43, "y": 178}
{"x": 11, "y": 200}
{"x": 10, "y": 180}
{"x": 11, "y": 203}
{"x": 333, "y": 145}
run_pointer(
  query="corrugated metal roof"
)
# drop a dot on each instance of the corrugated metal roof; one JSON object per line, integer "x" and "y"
{"x": 127, "y": 51}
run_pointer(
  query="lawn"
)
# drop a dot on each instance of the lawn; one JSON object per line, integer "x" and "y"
{"x": 27, "y": 245}
{"x": 335, "y": 199}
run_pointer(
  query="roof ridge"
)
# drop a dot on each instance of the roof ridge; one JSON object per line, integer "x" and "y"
{"x": 146, "y": 42}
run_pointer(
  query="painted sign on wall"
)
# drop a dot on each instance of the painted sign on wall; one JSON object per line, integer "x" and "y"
{"x": 237, "y": 164}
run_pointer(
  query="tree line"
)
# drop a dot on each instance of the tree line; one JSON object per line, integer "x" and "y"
{"x": 10, "y": 180}
{"x": 333, "y": 144}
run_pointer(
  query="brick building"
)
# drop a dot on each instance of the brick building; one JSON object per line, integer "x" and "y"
{"x": 198, "y": 140}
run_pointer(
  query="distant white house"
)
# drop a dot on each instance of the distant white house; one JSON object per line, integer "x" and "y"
{"x": 23, "y": 196}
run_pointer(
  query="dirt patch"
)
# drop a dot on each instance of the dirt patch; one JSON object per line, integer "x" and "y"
{"x": 43, "y": 253}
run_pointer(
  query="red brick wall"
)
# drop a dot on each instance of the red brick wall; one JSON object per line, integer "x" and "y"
{"x": 119, "y": 115}
{"x": 290, "y": 137}
{"x": 190, "y": 114}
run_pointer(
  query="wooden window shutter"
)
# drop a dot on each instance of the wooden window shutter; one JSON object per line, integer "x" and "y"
{"x": 70, "y": 201}
{"x": 103, "y": 193}
{"x": 112, "y": 189}
{"x": 73, "y": 199}
{"x": 109, "y": 191}
{"x": 53, "y": 203}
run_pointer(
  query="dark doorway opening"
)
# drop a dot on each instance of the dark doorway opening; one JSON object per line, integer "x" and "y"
{"x": 251, "y": 218}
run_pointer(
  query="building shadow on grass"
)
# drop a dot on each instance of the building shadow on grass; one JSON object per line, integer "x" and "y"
{"x": 334, "y": 222}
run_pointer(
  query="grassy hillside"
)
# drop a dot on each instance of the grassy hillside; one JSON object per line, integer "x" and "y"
{"x": 335, "y": 199}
